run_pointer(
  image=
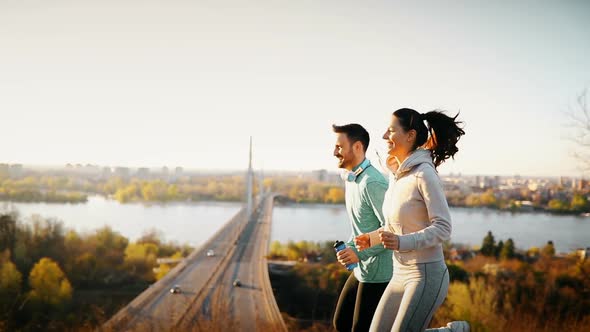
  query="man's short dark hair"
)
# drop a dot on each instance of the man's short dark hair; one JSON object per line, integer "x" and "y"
{"x": 355, "y": 133}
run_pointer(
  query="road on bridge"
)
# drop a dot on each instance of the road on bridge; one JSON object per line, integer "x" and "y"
{"x": 251, "y": 306}
{"x": 208, "y": 299}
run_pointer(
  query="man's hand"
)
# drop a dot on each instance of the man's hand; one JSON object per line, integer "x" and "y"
{"x": 362, "y": 242}
{"x": 347, "y": 256}
{"x": 389, "y": 240}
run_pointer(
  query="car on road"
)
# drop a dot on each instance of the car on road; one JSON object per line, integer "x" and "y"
{"x": 210, "y": 253}
{"x": 175, "y": 290}
{"x": 237, "y": 283}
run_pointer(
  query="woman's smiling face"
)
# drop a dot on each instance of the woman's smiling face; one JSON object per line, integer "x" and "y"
{"x": 399, "y": 141}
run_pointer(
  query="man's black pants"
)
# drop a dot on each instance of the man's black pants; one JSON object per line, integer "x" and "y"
{"x": 357, "y": 304}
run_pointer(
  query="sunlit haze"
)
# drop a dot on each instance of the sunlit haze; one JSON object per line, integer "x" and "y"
{"x": 185, "y": 83}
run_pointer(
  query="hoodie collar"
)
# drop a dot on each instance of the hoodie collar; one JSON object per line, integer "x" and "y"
{"x": 364, "y": 164}
{"x": 419, "y": 156}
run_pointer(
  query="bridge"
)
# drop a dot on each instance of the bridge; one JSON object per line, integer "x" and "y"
{"x": 208, "y": 298}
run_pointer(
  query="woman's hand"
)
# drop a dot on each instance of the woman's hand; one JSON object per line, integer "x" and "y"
{"x": 362, "y": 242}
{"x": 389, "y": 240}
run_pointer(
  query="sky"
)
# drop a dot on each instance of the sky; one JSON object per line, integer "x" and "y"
{"x": 185, "y": 83}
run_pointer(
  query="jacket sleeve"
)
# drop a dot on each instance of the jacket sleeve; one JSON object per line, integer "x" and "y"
{"x": 373, "y": 196}
{"x": 430, "y": 187}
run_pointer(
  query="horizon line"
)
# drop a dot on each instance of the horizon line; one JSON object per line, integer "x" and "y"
{"x": 238, "y": 170}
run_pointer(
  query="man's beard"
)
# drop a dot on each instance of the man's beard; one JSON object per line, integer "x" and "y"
{"x": 341, "y": 162}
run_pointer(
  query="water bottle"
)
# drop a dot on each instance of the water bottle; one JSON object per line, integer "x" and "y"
{"x": 339, "y": 245}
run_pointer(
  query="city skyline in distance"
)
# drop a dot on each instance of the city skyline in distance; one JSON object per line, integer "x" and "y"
{"x": 155, "y": 171}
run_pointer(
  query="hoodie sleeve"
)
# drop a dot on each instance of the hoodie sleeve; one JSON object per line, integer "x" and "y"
{"x": 430, "y": 187}
{"x": 373, "y": 196}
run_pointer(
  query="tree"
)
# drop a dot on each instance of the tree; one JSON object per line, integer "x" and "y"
{"x": 276, "y": 249}
{"x": 37, "y": 239}
{"x": 533, "y": 252}
{"x": 508, "y": 250}
{"x": 126, "y": 194}
{"x": 295, "y": 192}
{"x": 162, "y": 271}
{"x": 7, "y": 233}
{"x": 147, "y": 251}
{"x": 499, "y": 248}
{"x": 10, "y": 287}
{"x": 293, "y": 252}
{"x": 172, "y": 193}
{"x": 148, "y": 192}
{"x": 473, "y": 200}
{"x": 557, "y": 205}
{"x": 267, "y": 183}
{"x": 489, "y": 199}
{"x": 153, "y": 236}
{"x": 549, "y": 249}
{"x": 475, "y": 302}
{"x": 83, "y": 270}
{"x": 335, "y": 195}
{"x": 49, "y": 285}
{"x": 10, "y": 279}
{"x": 580, "y": 116}
{"x": 579, "y": 203}
{"x": 140, "y": 260}
{"x": 47, "y": 239}
{"x": 457, "y": 273}
{"x": 316, "y": 192}
{"x": 109, "y": 250}
{"x": 488, "y": 247}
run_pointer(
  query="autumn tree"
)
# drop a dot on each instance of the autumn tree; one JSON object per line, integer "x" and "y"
{"x": 335, "y": 195}
{"x": 499, "y": 248}
{"x": 36, "y": 239}
{"x": 163, "y": 269}
{"x": 7, "y": 233}
{"x": 508, "y": 250}
{"x": 579, "y": 203}
{"x": 549, "y": 249}
{"x": 49, "y": 285}
{"x": 557, "y": 205}
{"x": 140, "y": 259}
{"x": 488, "y": 247}
{"x": 109, "y": 253}
{"x": 10, "y": 285}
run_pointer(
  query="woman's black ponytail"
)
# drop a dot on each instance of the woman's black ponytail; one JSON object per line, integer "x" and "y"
{"x": 440, "y": 135}
{"x": 444, "y": 135}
